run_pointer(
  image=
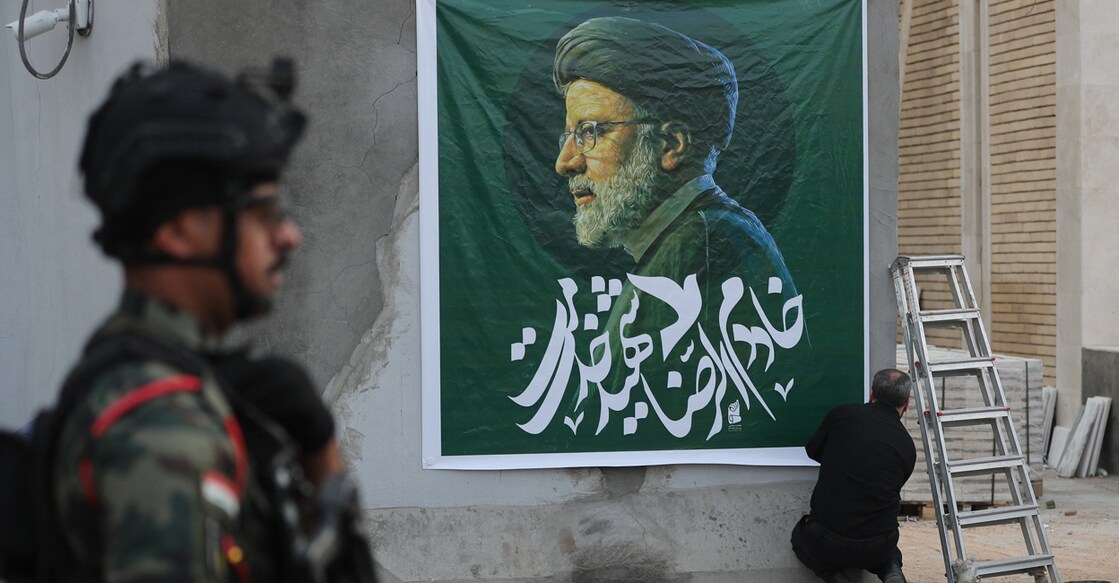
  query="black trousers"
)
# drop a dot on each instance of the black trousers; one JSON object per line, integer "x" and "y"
{"x": 825, "y": 552}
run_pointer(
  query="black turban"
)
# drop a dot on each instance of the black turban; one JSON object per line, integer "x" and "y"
{"x": 675, "y": 77}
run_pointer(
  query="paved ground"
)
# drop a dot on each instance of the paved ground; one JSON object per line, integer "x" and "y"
{"x": 1083, "y": 532}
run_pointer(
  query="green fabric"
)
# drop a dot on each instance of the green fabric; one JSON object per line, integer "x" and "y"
{"x": 513, "y": 281}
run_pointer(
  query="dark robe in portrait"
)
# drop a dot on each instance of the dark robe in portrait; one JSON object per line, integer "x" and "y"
{"x": 698, "y": 231}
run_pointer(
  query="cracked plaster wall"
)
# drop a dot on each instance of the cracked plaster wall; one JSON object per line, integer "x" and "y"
{"x": 351, "y": 310}
{"x": 54, "y": 284}
{"x": 356, "y": 66}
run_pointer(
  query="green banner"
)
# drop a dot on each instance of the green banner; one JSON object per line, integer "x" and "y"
{"x": 643, "y": 229}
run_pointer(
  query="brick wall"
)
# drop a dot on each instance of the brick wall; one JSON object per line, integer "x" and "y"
{"x": 1022, "y": 147}
{"x": 929, "y": 141}
{"x": 1023, "y": 89}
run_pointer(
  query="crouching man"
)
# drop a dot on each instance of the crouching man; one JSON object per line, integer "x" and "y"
{"x": 866, "y": 456}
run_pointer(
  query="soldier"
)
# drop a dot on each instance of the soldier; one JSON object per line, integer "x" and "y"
{"x": 174, "y": 458}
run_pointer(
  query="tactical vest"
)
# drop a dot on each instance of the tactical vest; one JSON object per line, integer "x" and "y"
{"x": 33, "y": 547}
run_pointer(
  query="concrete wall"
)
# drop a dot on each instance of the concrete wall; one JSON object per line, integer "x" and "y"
{"x": 357, "y": 74}
{"x": 352, "y": 311}
{"x": 1087, "y": 205}
{"x": 54, "y": 285}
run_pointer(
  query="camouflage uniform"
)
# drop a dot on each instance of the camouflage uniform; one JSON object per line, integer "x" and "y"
{"x": 152, "y": 478}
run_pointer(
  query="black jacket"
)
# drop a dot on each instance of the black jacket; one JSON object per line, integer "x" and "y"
{"x": 866, "y": 456}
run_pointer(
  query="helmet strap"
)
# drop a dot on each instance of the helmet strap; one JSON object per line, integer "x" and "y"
{"x": 246, "y": 304}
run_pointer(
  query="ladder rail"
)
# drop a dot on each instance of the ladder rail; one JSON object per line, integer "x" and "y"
{"x": 902, "y": 289}
{"x": 917, "y": 353}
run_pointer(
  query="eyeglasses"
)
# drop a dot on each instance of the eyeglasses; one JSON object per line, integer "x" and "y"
{"x": 586, "y": 132}
{"x": 269, "y": 211}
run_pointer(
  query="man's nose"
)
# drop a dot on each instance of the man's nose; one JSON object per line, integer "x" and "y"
{"x": 570, "y": 161}
{"x": 288, "y": 236}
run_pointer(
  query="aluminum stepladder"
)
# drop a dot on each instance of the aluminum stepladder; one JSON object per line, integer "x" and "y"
{"x": 1007, "y": 460}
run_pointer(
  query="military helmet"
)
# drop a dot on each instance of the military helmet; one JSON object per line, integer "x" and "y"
{"x": 177, "y": 137}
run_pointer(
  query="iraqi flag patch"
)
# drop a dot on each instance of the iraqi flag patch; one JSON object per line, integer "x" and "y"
{"x": 219, "y": 491}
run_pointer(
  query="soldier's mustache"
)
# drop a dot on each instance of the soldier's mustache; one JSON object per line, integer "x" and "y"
{"x": 281, "y": 263}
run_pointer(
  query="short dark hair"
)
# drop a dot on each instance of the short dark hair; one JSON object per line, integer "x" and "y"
{"x": 891, "y": 387}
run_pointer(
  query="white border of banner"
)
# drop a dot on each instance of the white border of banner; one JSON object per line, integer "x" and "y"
{"x": 430, "y": 358}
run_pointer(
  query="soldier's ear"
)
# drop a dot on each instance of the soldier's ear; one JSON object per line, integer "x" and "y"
{"x": 676, "y": 147}
{"x": 190, "y": 234}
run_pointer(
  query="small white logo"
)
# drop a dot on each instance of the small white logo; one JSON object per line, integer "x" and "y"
{"x": 733, "y": 416}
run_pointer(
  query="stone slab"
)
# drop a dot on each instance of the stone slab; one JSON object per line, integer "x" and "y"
{"x": 1022, "y": 380}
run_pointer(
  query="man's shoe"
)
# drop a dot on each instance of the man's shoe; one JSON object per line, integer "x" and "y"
{"x": 894, "y": 575}
{"x": 839, "y": 577}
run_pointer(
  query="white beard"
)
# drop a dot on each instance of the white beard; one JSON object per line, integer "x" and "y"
{"x": 622, "y": 202}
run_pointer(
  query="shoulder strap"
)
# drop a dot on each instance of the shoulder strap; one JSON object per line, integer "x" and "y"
{"x": 56, "y": 561}
{"x": 105, "y": 350}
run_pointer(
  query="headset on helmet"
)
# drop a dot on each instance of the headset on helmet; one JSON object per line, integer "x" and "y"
{"x": 179, "y": 137}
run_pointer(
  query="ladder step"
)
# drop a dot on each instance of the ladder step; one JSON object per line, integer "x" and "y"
{"x": 1012, "y": 565}
{"x": 934, "y": 261}
{"x": 991, "y": 516}
{"x": 953, "y": 316}
{"x": 965, "y": 416}
{"x": 963, "y": 366}
{"x": 983, "y": 465}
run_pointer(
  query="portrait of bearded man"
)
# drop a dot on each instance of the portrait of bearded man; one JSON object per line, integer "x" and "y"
{"x": 648, "y": 112}
{"x": 644, "y": 230}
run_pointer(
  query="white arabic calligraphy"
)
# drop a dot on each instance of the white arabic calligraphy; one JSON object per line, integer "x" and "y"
{"x": 714, "y": 360}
